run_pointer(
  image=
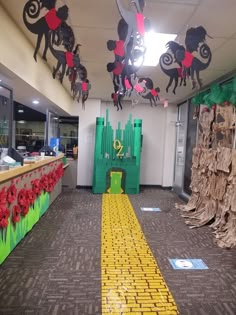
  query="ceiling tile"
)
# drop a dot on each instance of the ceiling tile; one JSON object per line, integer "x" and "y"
{"x": 218, "y": 17}
{"x": 100, "y": 14}
{"x": 168, "y": 17}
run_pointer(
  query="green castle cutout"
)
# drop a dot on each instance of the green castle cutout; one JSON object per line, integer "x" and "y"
{"x": 117, "y": 157}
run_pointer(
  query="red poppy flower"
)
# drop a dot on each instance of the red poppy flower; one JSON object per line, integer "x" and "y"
{"x": 60, "y": 171}
{"x": 30, "y": 195}
{"x": 51, "y": 182}
{"x": 11, "y": 193}
{"x": 4, "y": 215}
{"x": 36, "y": 187}
{"x": 16, "y": 214}
{"x": 22, "y": 197}
{"x": 25, "y": 208}
{"x": 44, "y": 182}
{"x": 3, "y": 196}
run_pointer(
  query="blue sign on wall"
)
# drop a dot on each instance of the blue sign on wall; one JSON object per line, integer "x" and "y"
{"x": 190, "y": 264}
{"x": 151, "y": 209}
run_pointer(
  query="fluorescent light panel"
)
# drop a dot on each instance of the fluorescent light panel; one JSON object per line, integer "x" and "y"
{"x": 155, "y": 44}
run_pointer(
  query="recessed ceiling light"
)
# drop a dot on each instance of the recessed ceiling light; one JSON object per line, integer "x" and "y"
{"x": 20, "y": 110}
{"x": 21, "y": 122}
{"x": 35, "y": 102}
{"x": 155, "y": 46}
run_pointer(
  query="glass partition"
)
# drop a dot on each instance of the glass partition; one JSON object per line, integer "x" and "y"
{"x": 29, "y": 129}
{"x": 5, "y": 116}
{"x": 68, "y": 127}
{"x": 52, "y": 127}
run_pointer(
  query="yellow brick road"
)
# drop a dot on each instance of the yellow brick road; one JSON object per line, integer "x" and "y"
{"x": 132, "y": 283}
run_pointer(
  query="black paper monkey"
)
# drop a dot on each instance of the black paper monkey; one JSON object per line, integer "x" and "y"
{"x": 136, "y": 27}
{"x": 152, "y": 96}
{"x": 82, "y": 89}
{"x": 173, "y": 73}
{"x": 64, "y": 59}
{"x": 188, "y": 64}
{"x": 51, "y": 21}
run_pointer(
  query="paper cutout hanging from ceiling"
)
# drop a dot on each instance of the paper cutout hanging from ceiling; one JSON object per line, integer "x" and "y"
{"x": 53, "y": 28}
{"x": 180, "y": 62}
{"x": 129, "y": 52}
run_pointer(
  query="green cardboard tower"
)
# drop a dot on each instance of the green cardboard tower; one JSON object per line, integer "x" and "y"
{"x": 117, "y": 157}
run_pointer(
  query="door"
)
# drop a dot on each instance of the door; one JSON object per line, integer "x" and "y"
{"x": 116, "y": 178}
{"x": 181, "y": 136}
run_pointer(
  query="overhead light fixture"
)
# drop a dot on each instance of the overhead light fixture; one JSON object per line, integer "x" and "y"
{"x": 155, "y": 46}
{"x": 20, "y": 110}
{"x": 21, "y": 122}
{"x": 35, "y": 102}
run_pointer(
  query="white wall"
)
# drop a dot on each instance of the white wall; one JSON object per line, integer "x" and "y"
{"x": 158, "y": 152}
{"x": 87, "y": 128}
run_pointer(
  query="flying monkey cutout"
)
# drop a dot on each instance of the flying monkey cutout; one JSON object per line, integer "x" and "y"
{"x": 55, "y": 30}
{"x": 51, "y": 21}
{"x": 137, "y": 25}
{"x": 122, "y": 76}
{"x": 186, "y": 64}
{"x": 81, "y": 89}
{"x": 146, "y": 90}
{"x": 142, "y": 86}
{"x": 64, "y": 59}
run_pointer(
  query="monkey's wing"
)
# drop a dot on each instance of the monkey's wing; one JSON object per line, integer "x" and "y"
{"x": 174, "y": 47}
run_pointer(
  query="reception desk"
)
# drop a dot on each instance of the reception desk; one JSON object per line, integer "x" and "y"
{"x": 26, "y": 193}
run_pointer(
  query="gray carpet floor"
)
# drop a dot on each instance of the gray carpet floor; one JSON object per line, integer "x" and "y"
{"x": 55, "y": 270}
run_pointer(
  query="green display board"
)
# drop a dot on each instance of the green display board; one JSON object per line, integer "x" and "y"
{"x": 117, "y": 157}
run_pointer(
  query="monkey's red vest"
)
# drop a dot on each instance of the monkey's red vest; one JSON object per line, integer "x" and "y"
{"x": 52, "y": 19}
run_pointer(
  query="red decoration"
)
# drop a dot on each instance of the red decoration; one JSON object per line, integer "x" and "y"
{"x": 22, "y": 197}
{"x": 119, "y": 50}
{"x": 69, "y": 59}
{"x": 205, "y": 110}
{"x": 36, "y": 187}
{"x": 84, "y": 86}
{"x": 16, "y": 214}
{"x": 4, "y": 215}
{"x": 140, "y": 23}
{"x": 188, "y": 59}
{"x": 11, "y": 193}
{"x": 26, "y": 197}
{"x": 30, "y": 195}
{"x": 25, "y": 208}
{"x": 154, "y": 92}
{"x": 3, "y": 196}
{"x": 52, "y": 19}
